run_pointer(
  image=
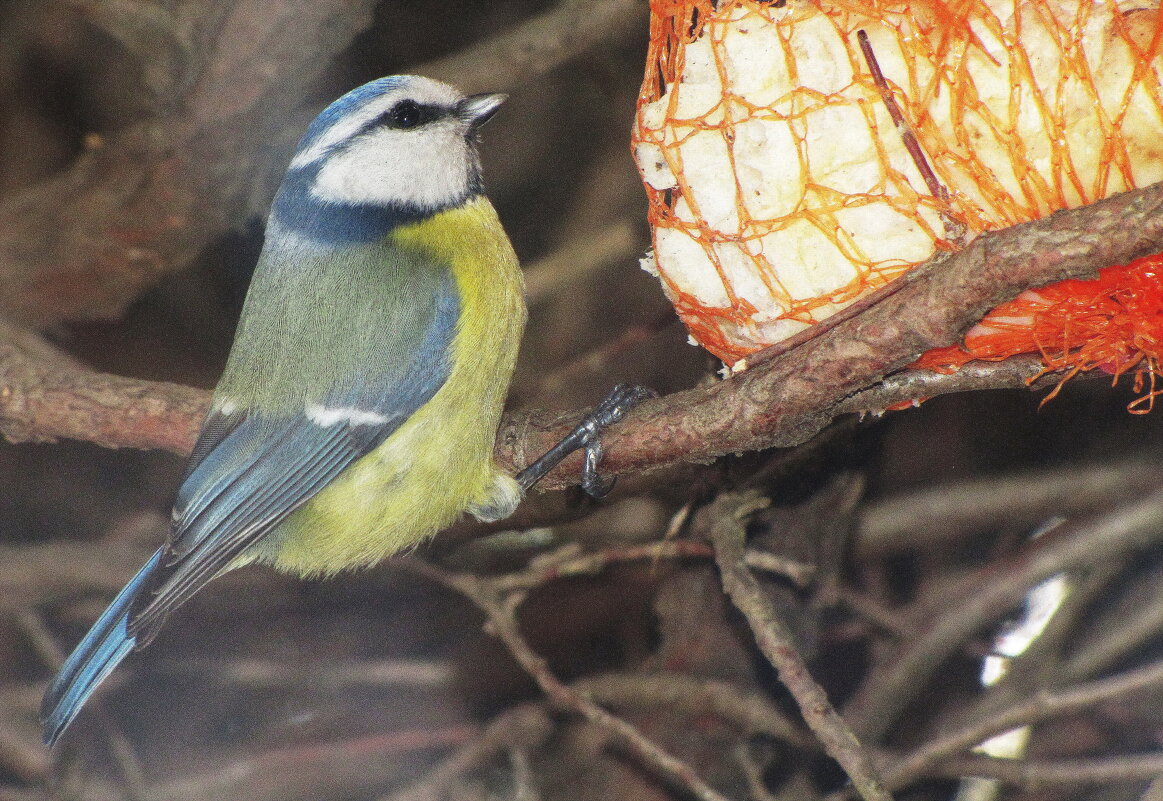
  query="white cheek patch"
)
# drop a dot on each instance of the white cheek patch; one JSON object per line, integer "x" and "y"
{"x": 325, "y": 417}
{"x": 427, "y": 168}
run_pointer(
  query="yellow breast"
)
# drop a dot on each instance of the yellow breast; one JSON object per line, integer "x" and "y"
{"x": 439, "y": 462}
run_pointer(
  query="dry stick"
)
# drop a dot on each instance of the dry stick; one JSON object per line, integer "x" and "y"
{"x": 25, "y": 794}
{"x": 121, "y": 749}
{"x": 524, "y": 726}
{"x": 88, "y": 241}
{"x": 595, "y": 365}
{"x": 696, "y": 697}
{"x": 914, "y": 386}
{"x": 1154, "y": 791}
{"x": 580, "y": 256}
{"x": 962, "y": 610}
{"x": 725, "y": 526}
{"x": 786, "y": 401}
{"x": 47, "y": 572}
{"x": 1118, "y": 632}
{"x": 567, "y": 562}
{"x": 930, "y": 518}
{"x": 333, "y": 769}
{"x": 92, "y": 238}
{"x": 1041, "y": 705}
{"x": 782, "y": 402}
{"x": 45, "y": 394}
{"x": 954, "y": 228}
{"x": 538, "y": 45}
{"x": 503, "y": 624}
{"x": 1056, "y": 773}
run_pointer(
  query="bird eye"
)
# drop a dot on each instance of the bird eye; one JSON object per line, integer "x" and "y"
{"x": 405, "y": 114}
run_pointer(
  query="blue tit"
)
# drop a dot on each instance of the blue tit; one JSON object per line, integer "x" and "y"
{"x": 358, "y": 409}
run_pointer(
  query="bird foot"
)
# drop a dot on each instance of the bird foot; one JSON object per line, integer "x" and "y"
{"x": 587, "y": 435}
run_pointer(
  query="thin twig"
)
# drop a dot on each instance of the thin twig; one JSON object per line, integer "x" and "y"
{"x": 1135, "y": 622}
{"x": 92, "y": 239}
{"x": 538, "y": 45}
{"x": 567, "y": 562}
{"x": 1043, "y": 704}
{"x": 1058, "y": 773}
{"x": 929, "y": 518}
{"x": 722, "y": 519}
{"x": 503, "y": 624}
{"x": 1154, "y": 791}
{"x": 524, "y": 726}
{"x": 954, "y": 228}
{"x": 749, "y": 711}
{"x": 957, "y": 612}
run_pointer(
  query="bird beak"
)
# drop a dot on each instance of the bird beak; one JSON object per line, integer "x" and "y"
{"x": 477, "y": 109}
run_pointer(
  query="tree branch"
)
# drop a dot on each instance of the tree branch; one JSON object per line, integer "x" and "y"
{"x": 1039, "y": 706}
{"x": 1058, "y": 773}
{"x": 957, "y": 612}
{"x": 781, "y": 402}
{"x": 145, "y": 199}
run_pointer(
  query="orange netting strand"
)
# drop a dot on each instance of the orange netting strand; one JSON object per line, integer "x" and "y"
{"x": 1019, "y": 109}
{"x": 1113, "y": 323}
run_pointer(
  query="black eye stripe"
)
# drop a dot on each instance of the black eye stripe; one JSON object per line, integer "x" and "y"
{"x": 407, "y": 114}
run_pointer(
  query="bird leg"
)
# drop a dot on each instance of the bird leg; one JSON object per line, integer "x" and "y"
{"x": 587, "y": 435}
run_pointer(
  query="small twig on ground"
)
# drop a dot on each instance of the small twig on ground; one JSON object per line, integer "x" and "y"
{"x": 1056, "y": 773}
{"x": 957, "y": 612}
{"x": 722, "y": 521}
{"x": 525, "y": 726}
{"x": 567, "y": 562}
{"x": 1041, "y": 705}
{"x": 503, "y": 624}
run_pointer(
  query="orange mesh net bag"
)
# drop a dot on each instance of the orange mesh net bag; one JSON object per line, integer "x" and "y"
{"x": 798, "y": 154}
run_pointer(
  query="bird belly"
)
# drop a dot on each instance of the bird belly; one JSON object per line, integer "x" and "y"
{"x": 438, "y": 463}
{"x": 413, "y": 485}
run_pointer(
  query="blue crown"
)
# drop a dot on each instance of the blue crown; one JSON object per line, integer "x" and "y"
{"x": 346, "y": 105}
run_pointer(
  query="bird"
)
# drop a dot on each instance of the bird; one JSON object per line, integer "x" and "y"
{"x": 358, "y": 408}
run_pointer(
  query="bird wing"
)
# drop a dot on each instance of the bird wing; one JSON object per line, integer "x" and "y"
{"x": 250, "y": 470}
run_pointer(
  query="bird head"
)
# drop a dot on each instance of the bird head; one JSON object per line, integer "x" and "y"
{"x": 393, "y": 150}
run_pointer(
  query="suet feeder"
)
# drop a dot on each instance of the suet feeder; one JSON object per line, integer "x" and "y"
{"x": 799, "y": 154}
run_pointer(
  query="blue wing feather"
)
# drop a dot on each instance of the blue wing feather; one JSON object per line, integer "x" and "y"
{"x": 94, "y": 658}
{"x": 278, "y": 477}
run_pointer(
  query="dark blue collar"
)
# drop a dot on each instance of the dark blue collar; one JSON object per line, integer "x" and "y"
{"x": 298, "y": 210}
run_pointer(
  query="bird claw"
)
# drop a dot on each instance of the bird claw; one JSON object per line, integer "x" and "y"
{"x": 612, "y": 408}
{"x": 591, "y": 482}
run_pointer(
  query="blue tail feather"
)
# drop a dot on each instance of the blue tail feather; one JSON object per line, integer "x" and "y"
{"x": 94, "y": 658}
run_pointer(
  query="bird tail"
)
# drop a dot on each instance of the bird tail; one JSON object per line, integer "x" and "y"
{"x": 94, "y": 658}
